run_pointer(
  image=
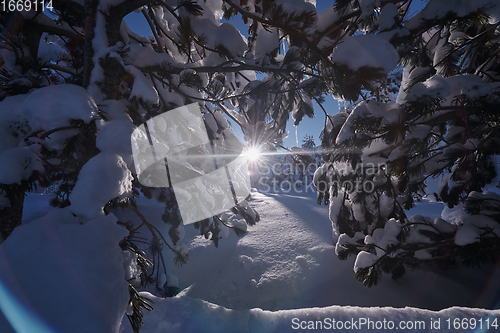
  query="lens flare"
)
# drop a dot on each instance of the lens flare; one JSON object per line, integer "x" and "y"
{"x": 253, "y": 154}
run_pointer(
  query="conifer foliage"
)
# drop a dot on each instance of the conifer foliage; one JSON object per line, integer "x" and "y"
{"x": 442, "y": 123}
{"x": 75, "y": 83}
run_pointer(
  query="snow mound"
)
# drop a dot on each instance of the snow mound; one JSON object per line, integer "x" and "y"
{"x": 103, "y": 178}
{"x": 366, "y": 51}
{"x": 177, "y": 315}
{"x": 143, "y": 88}
{"x": 54, "y": 106}
{"x": 50, "y": 49}
{"x": 469, "y": 85}
{"x": 434, "y": 87}
{"x": 364, "y": 259}
{"x": 12, "y": 122}
{"x": 17, "y": 164}
{"x": 267, "y": 41}
{"x": 476, "y": 226}
{"x": 111, "y": 138}
{"x": 224, "y": 35}
{"x": 436, "y": 9}
{"x": 296, "y": 6}
{"x": 387, "y": 17}
{"x": 389, "y": 112}
{"x": 70, "y": 275}
{"x": 288, "y": 261}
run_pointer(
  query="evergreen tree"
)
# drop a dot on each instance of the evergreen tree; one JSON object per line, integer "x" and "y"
{"x": 444, "y": 123}
{"x": 76, "y": 82}
{"x": 105, "y": 80}
{"x": 308, "y": 142}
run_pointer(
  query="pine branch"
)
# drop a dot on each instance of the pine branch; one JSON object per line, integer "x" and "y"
{"x": 65, "y": 69}
{"x": 152, "y": 27}
{"x": 336, "y": 25}
{"x": 138, "y": 303}
{"x": 155, "y": 232}
{"x": 239, "y": 232}
{"x": 47, "y": 24}
{"x": 469, "y": 41}
{"x": 285, "y": 29}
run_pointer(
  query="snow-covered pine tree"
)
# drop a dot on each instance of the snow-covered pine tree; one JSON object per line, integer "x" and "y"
{"x": 308, "y": 142}
{"x": 444, "y": 122}
{"x": 76, "y": 81}
{"x": 75, "y": 85}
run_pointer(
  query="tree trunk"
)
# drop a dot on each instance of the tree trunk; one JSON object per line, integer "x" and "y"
{"x": 90, "y": 21}
{"x": 11, "y": 217}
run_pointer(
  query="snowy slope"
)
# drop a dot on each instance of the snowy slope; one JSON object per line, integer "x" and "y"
{"x": 188, "y": 315}
{"x": 63, "y": 277}
{"x": 287, "y": 261}
{"x": 284, "y": 268}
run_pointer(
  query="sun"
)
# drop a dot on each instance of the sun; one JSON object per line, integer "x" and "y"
{"x": 253, "y": 154}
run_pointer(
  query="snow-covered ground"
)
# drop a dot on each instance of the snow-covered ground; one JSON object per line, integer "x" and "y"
{"x": 285, "y": 267}
{"x": 288, "y": 261}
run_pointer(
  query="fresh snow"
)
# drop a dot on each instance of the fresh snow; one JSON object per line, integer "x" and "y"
{"x": 143, "y": 88}
{"x": 51, "y": 107}
{"x": 49, "y": 48}
{"x": 419, "y": 132}
{"x": 475, "y": 226}
{"x": 285, "y": 267}
{"x": 297, "y": 6}
{"x": 368, "y": 6}
{"x": 63, "y": 277}
{"x": 266, "y": 42}
{"x": 62, "y": 270}
{"x": 183, "y": 314}
{"x": 436, "y": 9}
{"x": 17, "y": 164}
{"x": 288, "y": 261}
{"x": 225, "y": 35}
{"x": 449, "y": 88}
{"x": 111, "y": 136}
{"x": 326, "y": 18}
{"x": 387, "y": 17}
{"x": 366, "y": 51}
{"x": 364, "y": 259}
{"x": 144, "y": 56}
{"x": 103, "y": 178}
{"x": 435, "y": 87}
{"x": 12, "y": 122}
